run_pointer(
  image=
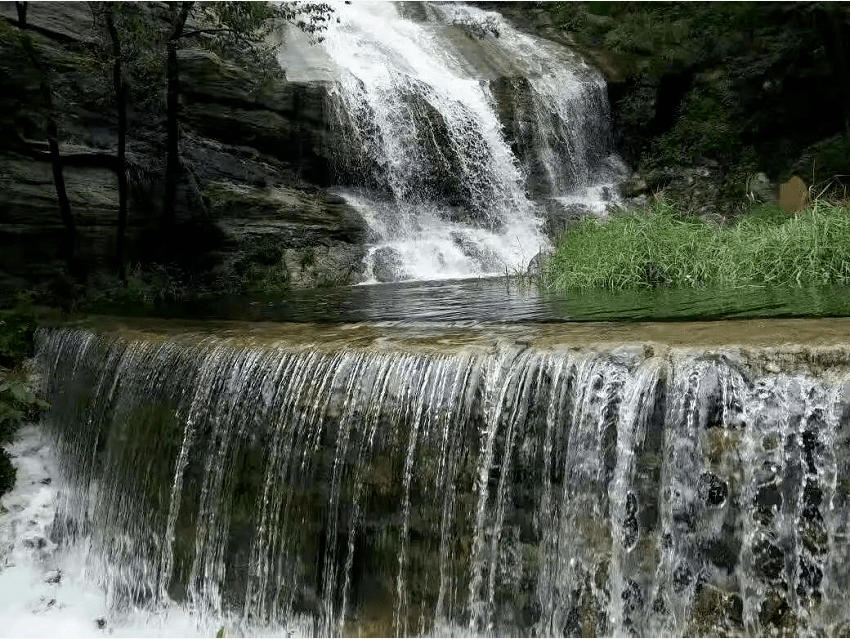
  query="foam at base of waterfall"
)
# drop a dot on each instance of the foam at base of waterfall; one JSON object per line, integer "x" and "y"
{"x": 46, "y": 589}
{"x": 42, "y": 591}
{"x": 417, "y": 243}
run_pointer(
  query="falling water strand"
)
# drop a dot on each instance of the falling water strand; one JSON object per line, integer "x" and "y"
{"x": 444, "y": 181}
{"x": 273, "y": 486}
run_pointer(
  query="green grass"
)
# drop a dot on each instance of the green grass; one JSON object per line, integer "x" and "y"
{"x": 658, "y": 248}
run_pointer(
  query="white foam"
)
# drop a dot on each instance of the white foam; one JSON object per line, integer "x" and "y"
{"x": 45, "y": 588}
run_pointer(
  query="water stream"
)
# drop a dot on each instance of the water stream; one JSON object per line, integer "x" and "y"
{"x": 453, "y": 132}
{"x": 360, "y": 479}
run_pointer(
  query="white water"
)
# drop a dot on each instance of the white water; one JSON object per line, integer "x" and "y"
{"x": 44, "y": 590}
{"x": 425, "y": 153}
{"x": 49, "y": 590}
{"x": 351, "y": 489}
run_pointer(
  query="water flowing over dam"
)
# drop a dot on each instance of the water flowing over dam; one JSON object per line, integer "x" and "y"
{"x": 454, "y": 133}
{"x": 441, "y": 452}
{"x": 361, "y": 479}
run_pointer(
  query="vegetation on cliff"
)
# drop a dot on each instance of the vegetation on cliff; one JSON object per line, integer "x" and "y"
{"x": 18, "y": 402}
{"x": 736, "y": 87}
{"x": 660, "y": 248}
{"x": 108, "y": 94}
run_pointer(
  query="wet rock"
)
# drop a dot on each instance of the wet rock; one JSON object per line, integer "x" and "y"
{"x": 759, "y": 189}
{"x": 630, "y": 525}
{"x": 810, "y": 577}
{"x": 535, "y": 266}
{"x": 632, "y": 598}
{"x": 558, "y": 217}
{"x": 682, "y": 577}
{"x": 485, "y": 257}
{"x": 775, "y": 614}
{"x": 715, "y": 613}
{"x": 54, "y": 577}
{"x": 712, "y": 490}
{"x": 723, "y": 553}
{"x": 100, "y": 622}
{"x": 388, "y": 265}
{"x": 769, "y": 561}
{"x": 635, "y": 186}
{"x": 35, "y": 542}
{"x": 767, "y": 501}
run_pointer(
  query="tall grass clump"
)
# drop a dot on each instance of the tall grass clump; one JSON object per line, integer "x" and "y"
{"x": 659, "y": 248}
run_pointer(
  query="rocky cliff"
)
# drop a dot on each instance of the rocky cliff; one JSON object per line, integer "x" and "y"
{"x": 255, "y": 158}
{"x": 261, "y": 153}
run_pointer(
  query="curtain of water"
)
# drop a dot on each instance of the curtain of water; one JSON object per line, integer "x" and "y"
{"x": 450, "y": 126}
{"x": 406, "y": 492}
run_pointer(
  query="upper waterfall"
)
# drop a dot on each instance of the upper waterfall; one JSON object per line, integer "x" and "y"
{"x": 454, "y": 133}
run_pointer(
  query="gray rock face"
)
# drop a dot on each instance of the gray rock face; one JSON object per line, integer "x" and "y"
{"x": 760, "y": 189}
{"x": 255, "y": 158}
{"x": 558, "y": 217}
{"x": 487, "y": 259}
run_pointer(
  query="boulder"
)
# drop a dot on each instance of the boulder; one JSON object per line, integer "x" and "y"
{"x": 535, "y": 266}
{"x": 558, "y": 217}
{"x": 486, "y": 258}
{"x": 388, "y": 265}
{"x": 635, "y": 186}
{"x": 793, "y": 195}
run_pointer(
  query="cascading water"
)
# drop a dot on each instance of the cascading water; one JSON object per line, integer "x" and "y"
{"x": 356, "y": 483}
{"x": 455, "y": 133}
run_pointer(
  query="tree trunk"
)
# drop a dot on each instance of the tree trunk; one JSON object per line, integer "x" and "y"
{"x": 70, "y": 231}
{"x": 121, "y": 105}
{"x": 172, "y": 159}
{"x": 840, "y": 62}
{"x": 22, "y": 13}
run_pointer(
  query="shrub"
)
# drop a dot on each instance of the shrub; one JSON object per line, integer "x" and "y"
{"x": 17, "y": 400}
{"x": 16, "y": 332}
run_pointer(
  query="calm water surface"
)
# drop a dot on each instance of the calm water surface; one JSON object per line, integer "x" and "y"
{"x": 497, "y": 300}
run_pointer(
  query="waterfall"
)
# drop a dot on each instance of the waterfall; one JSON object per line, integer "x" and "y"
{"x": 346, "y": 483}
{"x": 454, "y": 134}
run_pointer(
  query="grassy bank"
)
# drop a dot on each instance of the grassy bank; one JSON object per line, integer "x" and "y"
{"x": 658, "y": 248}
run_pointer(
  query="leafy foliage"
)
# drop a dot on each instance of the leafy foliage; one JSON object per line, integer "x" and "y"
{"x": 16, "y": 336}
{"x": 658, "y": 248}
{"x": 250, "y": 31}
{"x": 142, "y": 39}
{"x": 18, "y": 402}
{"x": 749, "y": 85}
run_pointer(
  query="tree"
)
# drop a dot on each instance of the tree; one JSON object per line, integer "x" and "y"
{"x": 179, "y": 15}
{"x": 235, "y": 27}
{"x": 69, "y": 234}
{"x": 128, "y": 35}
{"x": 121, "y": 106}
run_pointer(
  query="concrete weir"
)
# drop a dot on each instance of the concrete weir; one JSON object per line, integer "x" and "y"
{"x": 604, "y": 478}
